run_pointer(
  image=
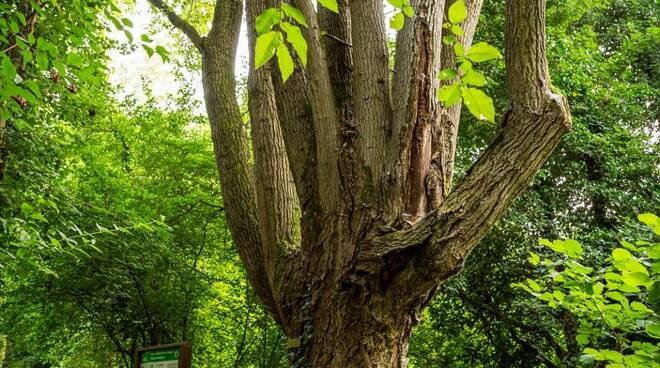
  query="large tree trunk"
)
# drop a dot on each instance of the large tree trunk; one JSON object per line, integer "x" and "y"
{"x": 342, "y": 208}
{"x": 357, "y": 333}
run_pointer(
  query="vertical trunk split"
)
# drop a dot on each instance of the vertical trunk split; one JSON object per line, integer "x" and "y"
{"x": 357, "y": 159}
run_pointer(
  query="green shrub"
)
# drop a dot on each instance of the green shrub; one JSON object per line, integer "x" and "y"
{"x": 615, "y": 305}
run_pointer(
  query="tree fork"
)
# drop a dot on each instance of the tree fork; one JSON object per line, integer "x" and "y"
{"x": 356, "y": 286}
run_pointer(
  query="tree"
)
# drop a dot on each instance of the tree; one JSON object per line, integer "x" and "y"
{"x": 342, "y": 207}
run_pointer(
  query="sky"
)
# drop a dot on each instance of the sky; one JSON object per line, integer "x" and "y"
{"x": 128, "y": 70}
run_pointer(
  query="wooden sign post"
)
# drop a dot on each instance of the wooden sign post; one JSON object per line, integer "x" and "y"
{"x": 165, "y": 356}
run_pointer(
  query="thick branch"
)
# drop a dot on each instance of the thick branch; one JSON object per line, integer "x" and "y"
{"x": 277, "y": 204}
{"x": 416, "y": 108}
{"x": 436, "y": 247}
{"x": 295, "y": 116}
{"x": 232, "y": 150}
{"x": 339, "y": 56}
{"x": 179, "y": 23}
{"x": 445, "y": 130}
{"x": 324, "y": 113}
{"x": 372, "y": 106}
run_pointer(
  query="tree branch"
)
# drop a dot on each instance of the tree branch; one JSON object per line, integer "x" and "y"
{"x": 231, "y": 147}
{"x": 179, "y": 23}
{"x": 277, "y": 204}
{"x": 325, "y": 119}
{"x": 371, "y": 93}
{"x": 445, "y": 130}
{"x": 416, "y": 108}
{"x": 437, "y": 246}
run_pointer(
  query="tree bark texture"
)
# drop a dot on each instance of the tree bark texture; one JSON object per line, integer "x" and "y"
{"x": 342, "y": 208}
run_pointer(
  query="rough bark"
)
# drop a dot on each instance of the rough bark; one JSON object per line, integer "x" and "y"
{"x": 278, "y": 210}
{"x": 358, "y": 163}
{"x": 324, "y": 113}
{"x": 417, "y": 65}
{"x": 372, "y": 108}
{"x": 445, "y": 131}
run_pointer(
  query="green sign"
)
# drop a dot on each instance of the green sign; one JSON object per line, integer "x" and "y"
{"x": 166, "y": 358}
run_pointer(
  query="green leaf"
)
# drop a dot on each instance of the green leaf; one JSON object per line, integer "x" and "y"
{"x": 482, "y": 51}
{"x": 26, "y": 208}
{"x": 114, "y": 21}
{"x": 651, "y": 221}
{"x": 145, "y": 38}
{"x": 397, "y": 21}
{"x": 533, "y": 285}
{"x": 148, "y": 49}
{"x": 448, "y": 40}
{"x": 13, "y": 90}
{"x": 58, "y": 65}
{"x": 39, "y": 217}
{"x": 457, "y": 12}
{"x": 163, "y": 53}
{"x": 408, "y": 10}
{"x": 635, "y": 278}
{"x": 42, "y": 61}
{"x": 654, "y": 251}
{"x": 653, "y": 330}
{"x": 615, "y": 295}
{"x": 450, "y": 95}
{"x": 87, "y": 72}
{"x": 457, "y": 30}
{"x": 634, "y": 266}
{"x": 13, "y": 26}
{"x": 330, "y": 5}
{"x": 458, "y": 49}
{"x": 294, "y": 13}
{"x": 21, "y": 18}
{"x": 284, "y": 61}
{"x": 640, "y": 307}
{"x": 8, "y": 69}
{"x": 654, "y": 294}
{"x": 582, "y": 339}
{"x": 127, "y": 22}
{"x": 33, "y": 87}
{"x": 396, "y": 3}
{"x": 479, "y": 104}
{"x": 474, "y": 78}
{"x": 266, "y": 20}
{"x": 578, "y": 268}
{"x": 613, "y": 356}
{"x": 446, "y": 74}
{"x": 466, "y": 66}
{"x": 27, "y": 56}
{"x": 620, "y": 254}
{"x": 534, "y": 258}
{"x": 265, "y": 48}
{"x": 610, "y": 276}
{"x": 74, "y": 60}
{"x": 295, "y": 37}
{"x": 573, "y": 248}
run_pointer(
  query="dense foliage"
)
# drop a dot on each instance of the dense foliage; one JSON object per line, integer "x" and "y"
{"x": 615, "y": 306}
{"x": 113, "y": 236}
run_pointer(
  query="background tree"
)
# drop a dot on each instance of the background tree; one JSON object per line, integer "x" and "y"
{"x": 346, "y": 224}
